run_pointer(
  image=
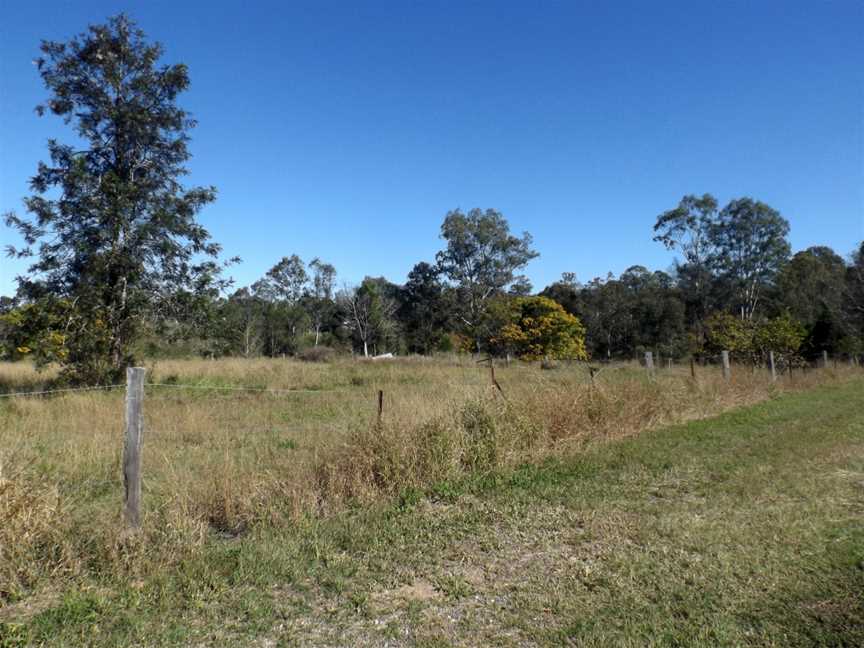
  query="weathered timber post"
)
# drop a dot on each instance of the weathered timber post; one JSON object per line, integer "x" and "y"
{"x": 692, "y": 367}
{"x": 649, "y": 362}
{"x": 668, "y": 363}
{"x": 824, "y": 359}
{"x": 132, "y": 446}
{"x": 380, "y": 404}
{"x": 727, "y": 372}
{"x": 771, "y": 364}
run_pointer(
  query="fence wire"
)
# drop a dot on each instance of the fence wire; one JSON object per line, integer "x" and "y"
{"x": 59, "y": 391}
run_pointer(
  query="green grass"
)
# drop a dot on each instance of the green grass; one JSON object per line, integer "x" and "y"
{"x": 745, "y": 529}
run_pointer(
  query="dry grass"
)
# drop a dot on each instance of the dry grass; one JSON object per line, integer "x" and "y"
{"x": 220, "y": 461}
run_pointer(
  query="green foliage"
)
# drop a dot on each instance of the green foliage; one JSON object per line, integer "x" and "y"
{"x": 725, "y": 332}
{"x": 424, "y": 309}
{"x": 538, "y": 327}
{"x": 750, "y": 246}
{"x": 753, "y": 339}
{"x": 369, "y": 312}
{"x": 640, "y": 310}
{"x": 782, "y": 334}
{"x": 54, "y": 330}
{"x": 34, "y": 331}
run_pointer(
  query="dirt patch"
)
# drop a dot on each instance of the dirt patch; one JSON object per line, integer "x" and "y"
{"x": 419, "y": 590}
{"x": 18, "y": 612}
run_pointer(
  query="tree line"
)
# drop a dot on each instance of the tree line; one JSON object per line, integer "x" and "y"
{"x": 121, "y": 267}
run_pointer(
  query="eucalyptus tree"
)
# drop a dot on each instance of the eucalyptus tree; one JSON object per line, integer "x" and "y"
{"x": 481, "y": 259}
{"x": 320, "y": 297}
{"x": 109, "y": 225}
{"x": 289, "y": 282}
{"x": 750, "y": 246}
{"x": 687, "y": 229}
{"x": 369, "y": 313}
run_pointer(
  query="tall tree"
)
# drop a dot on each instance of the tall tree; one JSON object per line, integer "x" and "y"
{"x": 423, "y": 310}
{"x": 289, "y": 282}
{"x": 810, "y": 287}
{"x": 288, "y": 278}
{"x": 687, "y": 229}
{"x": 113, "y": 225}
{"x": 853, "y": 302}
{"x": 482, "y": 258}
{"x": 321, "y": 295}
{"x": 750, "y": 246}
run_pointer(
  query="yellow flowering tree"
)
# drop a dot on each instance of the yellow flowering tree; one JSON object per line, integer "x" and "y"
{"x": 532, "y": 328}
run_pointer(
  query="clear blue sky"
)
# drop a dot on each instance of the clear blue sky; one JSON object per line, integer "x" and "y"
{"x": 347, "y": 130}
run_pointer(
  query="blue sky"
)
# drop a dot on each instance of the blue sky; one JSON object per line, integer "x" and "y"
{"x": 348, "y": 130}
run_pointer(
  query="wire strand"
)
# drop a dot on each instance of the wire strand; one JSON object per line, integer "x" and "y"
{"x": 59, "y": 391}
{"x": 248, "y": 389}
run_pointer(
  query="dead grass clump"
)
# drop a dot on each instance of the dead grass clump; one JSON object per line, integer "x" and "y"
{"x": 388, "y": 458}
{"x": 480, "y": 451}
{"x": 34, "y": 542}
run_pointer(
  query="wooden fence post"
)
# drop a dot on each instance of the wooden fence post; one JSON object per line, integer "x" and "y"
{"x": 824, "y": 359}
{"x": 692, "y": 367}
{"x": 380, "y": 404}
{"x": 727, "y": 372}
{"x": 771, "y": 364}
{"x": 132, "y": 446}
{"x": 649, "y": 362}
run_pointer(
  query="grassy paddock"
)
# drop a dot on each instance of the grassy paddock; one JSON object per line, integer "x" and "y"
{"x": 222, "y": 465}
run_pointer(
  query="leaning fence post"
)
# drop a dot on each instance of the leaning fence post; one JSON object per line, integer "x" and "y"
{"x": 132, "y": 446}
{"x": 649, "y": 362}
{"x": 773, "y": 369}
{"x": 727, "y": 373}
